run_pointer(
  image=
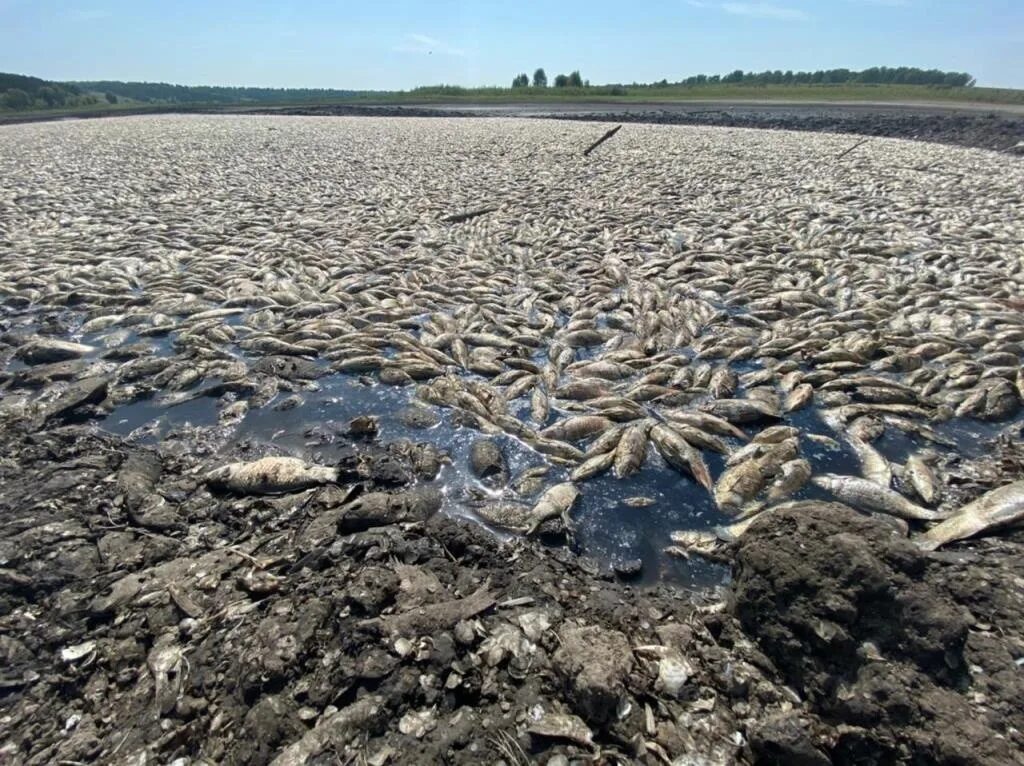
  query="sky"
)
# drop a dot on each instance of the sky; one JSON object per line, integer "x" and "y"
{"x": 399, "y": 44}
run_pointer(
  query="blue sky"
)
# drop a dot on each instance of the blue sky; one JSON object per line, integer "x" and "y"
{"x": 401, "y": 44}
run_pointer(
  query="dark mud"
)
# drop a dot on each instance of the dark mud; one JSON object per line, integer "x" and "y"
{"x": 999, "y": 129}
{"x": 226, "y": 629}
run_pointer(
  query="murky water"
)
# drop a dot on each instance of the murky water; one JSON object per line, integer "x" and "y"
{"x": 615, "y": 521}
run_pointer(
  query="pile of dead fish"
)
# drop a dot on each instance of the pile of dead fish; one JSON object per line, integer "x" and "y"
{"x": 679, "y": 294}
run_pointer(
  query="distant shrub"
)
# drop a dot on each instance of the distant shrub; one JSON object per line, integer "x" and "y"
{"x": 16, "y": 98}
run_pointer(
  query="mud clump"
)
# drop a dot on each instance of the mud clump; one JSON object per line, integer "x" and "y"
{"x": 856, "y": 620}
{"x": 590, "y": 663}
{"x": 147, "y": 617}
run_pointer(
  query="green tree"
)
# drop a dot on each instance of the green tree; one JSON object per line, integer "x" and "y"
{"x": 16, "y": 98}
{"x": 540, "y": 79}
{"x": 575, "y": 81}
{"x": 111, "y": 98}
{"x": 561, "y": 80}
{"x": 51, "y": 96}
{"x": 521, "y": 81}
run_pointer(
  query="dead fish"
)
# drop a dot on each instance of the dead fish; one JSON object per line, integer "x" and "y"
{"x": 873, "y": 464}
{"x": 554, "y": 448}
{"x": 740, "y": 410}
{"x": 825, "y": 441}
{"x": 705, "y": 421}
{"x": 506, "y": 514}
{"x": 233, "y": 414}
{"x": 630, "y": 451}
{"x": 556, "y": 502}
{"x": 723, "y": 383}
{"x": 277, "y": 347}
{"x": 593, "y": 466}
{"x": 78, "y": 394}
{"x": 270, "y": 475}
{"x": 793, "y": 475}
{"x": 867, "y": 428}
{"x": 639, "y": 501}
{"x": 96, "y": 324}
{"x": 871, "y": 496}
{"x": 577, "y": 427}
{"x": 701, "y": 439}
{"x": 46, "y": 351}
{"x": 799, "y": 397}
{"x": 376, "y": 509}
{"x": 919, "y": 429}
{"x": 530, "y": 481}
{"x": 606, "y": 442}
{"x": 776, "y": 434}
{"x": 921, "y": 479}
{"x": 739, "y": 484}
{"x": 680, "y": 454}
{"x": 562, "y": 726}
{"x": 582, "y": 390}
{"x": 539, "y": 405}
{"x": 993, "y": 510}
{"x": 688, "y": 542}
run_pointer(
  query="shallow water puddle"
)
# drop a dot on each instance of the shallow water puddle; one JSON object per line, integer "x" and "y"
{"x": 616, "y": 522}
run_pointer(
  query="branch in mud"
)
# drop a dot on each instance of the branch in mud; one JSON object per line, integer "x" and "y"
{"x": 467, "y": 215}
{"x": 847, "y": 151}
{"x": 601, "y": 140}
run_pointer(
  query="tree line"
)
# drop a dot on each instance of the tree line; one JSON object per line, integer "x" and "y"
{"x": 879, "y": 75}
{"x": 18, "y": 91}
{"x": 161, "y": 92}
{"x": 540, "y": 80}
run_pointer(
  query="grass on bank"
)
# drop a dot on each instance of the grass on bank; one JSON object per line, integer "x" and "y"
{"x": 845, "y": 92}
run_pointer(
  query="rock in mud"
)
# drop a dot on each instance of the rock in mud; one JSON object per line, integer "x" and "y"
{"x": 79, "y": 394}
{"x": 288, "y": 367}
{"x": 415, "y": 416}
{"x": 377, "y": 466}
{"x": 592, "y": 663}
{"x": 785, "y": 739}
{"x": 363, "y": 427}
{"x": 488, "y": 463}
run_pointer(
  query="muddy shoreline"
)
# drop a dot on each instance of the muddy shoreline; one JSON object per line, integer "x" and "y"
{"x": 263, "y": 629}
{"x": 981, "y": 126}
{"x": 996, "y": 129}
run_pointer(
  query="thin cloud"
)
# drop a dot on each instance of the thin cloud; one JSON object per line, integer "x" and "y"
{"x": 764, "y": 11}
{"x": 424, "y": 44}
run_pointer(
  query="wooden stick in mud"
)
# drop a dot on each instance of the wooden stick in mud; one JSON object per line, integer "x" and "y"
{"x": 859, "y": 143}
{"x": 601, "y": 140}
{"x": 467, "y": 215}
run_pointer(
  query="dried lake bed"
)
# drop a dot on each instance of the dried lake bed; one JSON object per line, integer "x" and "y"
{"x": 687, "y": 329}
